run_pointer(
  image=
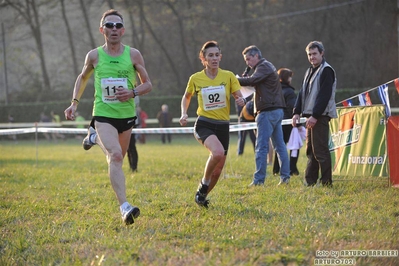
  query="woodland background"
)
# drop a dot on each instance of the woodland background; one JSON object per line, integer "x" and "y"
{"x": 44, "y": 43}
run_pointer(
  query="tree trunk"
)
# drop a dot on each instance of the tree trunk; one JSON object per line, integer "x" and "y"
{"x": 70, "y": 39}
{"x": 87, "y": 21}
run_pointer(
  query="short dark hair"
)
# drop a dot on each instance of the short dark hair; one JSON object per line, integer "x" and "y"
{"x": 252, "y": 50}
{"x": 285, "y": 74}
{"x": 315, "y": 44}
{"x": 208, "y": 44}
{"x": 111, "y": 12}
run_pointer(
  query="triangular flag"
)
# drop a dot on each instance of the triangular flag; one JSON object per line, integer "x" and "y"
{"x": 347, "y": 103}
{"x": 368, "y": 100}
{"x": 361, "y": 100}
{"x": 383, "y": 93}
{"x": 364, "y": 99}
{"x": 397, "y": 84}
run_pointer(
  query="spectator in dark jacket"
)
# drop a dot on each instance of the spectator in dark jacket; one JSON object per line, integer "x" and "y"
{"x": 269, "y": 105}
{"x": 316, "y": 102}
{"x": 244, "y": 116}
{"x": 165, "y": 120}
{"x": 285, "y": 75}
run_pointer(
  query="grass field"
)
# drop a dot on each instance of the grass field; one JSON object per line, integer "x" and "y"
{"x": 57, "y": 208}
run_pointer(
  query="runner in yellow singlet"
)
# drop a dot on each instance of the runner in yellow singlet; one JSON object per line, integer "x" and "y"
{"x": 213, "y": 87}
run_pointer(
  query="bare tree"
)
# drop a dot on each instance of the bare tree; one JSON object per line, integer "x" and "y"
{"x": 110, "y": 4}
{"x": 28, "y": 10}
{"x": 70, "y": 39}
{"x": 87, "y": 21}
{"x": 245, "y": 23}
{"x": 360, "y": 37}
{"x": 138, "y": 36}
{"x": 180, "y": 23}
{"x": 158, "y": 41}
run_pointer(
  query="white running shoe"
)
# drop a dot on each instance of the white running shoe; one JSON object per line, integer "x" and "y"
{"x": 129, "y": 213}
{"x": 87, "y": 144}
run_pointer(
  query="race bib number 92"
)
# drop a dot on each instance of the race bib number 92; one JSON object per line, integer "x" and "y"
{"x": 213, "y": 98}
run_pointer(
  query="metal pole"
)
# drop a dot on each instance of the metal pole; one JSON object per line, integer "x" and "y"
{"x": 5, "y": 61}
{"x": 36, "y": 142}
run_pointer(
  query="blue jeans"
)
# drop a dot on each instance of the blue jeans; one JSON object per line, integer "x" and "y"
{"x": 269, "y": 127}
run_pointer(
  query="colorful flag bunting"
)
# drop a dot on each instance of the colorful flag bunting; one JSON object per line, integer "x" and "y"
{"x": 364, "y": 99}
{"x": 347, "y": 103}
{"x": 397, "y": 84}
{"x": 384, "y": 96}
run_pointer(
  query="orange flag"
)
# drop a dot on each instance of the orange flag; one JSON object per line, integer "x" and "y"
{"x": 397, "y": 84}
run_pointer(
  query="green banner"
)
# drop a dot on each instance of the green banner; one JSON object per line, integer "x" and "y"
{"x": 358, "y": 141}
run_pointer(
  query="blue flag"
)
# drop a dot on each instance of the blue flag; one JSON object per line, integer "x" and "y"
{"x": 383, "y": 93}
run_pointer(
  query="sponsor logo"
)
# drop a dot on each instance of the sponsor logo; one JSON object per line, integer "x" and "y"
{"x": 348, "y": 133}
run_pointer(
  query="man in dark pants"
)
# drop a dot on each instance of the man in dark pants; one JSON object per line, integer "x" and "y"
{"x": 316, "y": 101}
{"x": 285, "y": 75}
{"x": 132, "y": 154}
{"x": 165, "y": 120}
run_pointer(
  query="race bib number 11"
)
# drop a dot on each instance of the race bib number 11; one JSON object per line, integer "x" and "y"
{"x": 213, "y": 98}
{"x": 109, "y": 86}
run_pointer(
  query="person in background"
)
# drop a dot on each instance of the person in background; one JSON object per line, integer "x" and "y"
{"x": 213, "y": 87}
{"x": 270, "y": 154}
{"x": 269, "y": 105}
{"x": 10, "y": 119}
{"x": 114, "y": 107}
{"x": 245, "y": 115}
{"x": 142, "y": 115}
{"x": 79, "y": 119}
{"x": 249, "y": 115}
{"x": 10, "y": 122}
{"x": 45, "y": 119}
{"x": 316, "y": 102}
{"x": 165, "y": 120}
{"x": 132, "y": 153}
{"x": 285, "y": 75}
{"x": 57, "y": 120}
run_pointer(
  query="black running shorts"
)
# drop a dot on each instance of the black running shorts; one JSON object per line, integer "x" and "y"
{"x": 204, "y": 128}
{"x": 121, "y": 124}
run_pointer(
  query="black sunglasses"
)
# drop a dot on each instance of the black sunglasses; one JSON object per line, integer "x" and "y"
{"x": 111, "y": 25}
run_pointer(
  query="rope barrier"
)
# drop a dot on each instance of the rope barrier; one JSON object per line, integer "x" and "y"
{"x": 41, "y": 128}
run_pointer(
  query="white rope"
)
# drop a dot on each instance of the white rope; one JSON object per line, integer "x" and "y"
{"x": 171, "y": 130}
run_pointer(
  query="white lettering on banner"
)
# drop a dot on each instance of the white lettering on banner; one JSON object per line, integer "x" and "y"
{"x": 366, "y": 159}
{"x": 109, "y": 86}
{"x": 345, "y": 138}
{"x": 213, "y": 97}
